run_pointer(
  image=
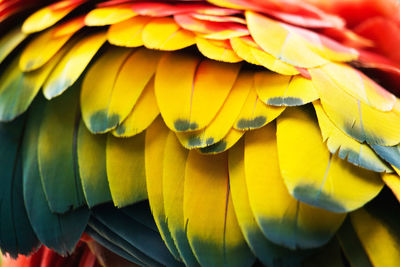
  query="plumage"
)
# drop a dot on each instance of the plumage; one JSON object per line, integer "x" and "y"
{"x": 199, "y": 133}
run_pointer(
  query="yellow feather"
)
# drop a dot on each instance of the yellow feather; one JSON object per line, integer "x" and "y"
{"x": 222, "y": 123}
{"x": 393, "y": 182}
{"x": 255, "y": 113}
{"x": 183, "y": 87}
{"x": 9, "y": 41}
{"x": 217, "y": 50}
{"x": 165, "y": 34}
{"x": 41, "y": 49}
{"x": 315, "y": 176}
{"x": 71, "y": 66}
{"x": 281, "y": 43}
{"x": 142, "y": 115}
{"x": 174, "y": 163}
{"x": 128, "y": 33}
{"x": 114, "y": 84}
{"x": 266, "y": 251}
{"x": 211, "y": 224}
{"x": 278, "y": 90}
{"x": 252, "y": 54}
{"x": 376, "y": 237}
{"x": 346, "y": 147}
{"x": 45, "y": 17}
{"x": 91, "y": 154}
{"x": 283, "y": 219}
{"x": 359, "y": 86}
{"x": 224, "y": 144}
{"x": 126, "y": 177}
{"x": 109, "y": 15}
{"x": 155, "y": 140}
{"x": 357, "y": 119}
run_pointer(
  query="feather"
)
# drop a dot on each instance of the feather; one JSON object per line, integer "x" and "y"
{"x": 18, "y": 89}
{"x": 128, "y": 33}
{"x": 138, "y": 235}
{"x": 224, "y": 144}
{"x": 48, "y": 16}
{"x": 215, "y": 240}
{"x": 346, "y": 147}
{"x": 219, "y": 50}
{"x": 57, "y": 153}
{"x": 359, "y": 86}
{"x": 10, "y": 41}
{"x": 211, "y": 29}
{"x": 109, "y": 15}
{"x": 352, "y": 246}
{"x": 142, "y": 115}
{"x": 91, "y": 155}
{"x": 117, "y": 244}
{"x": 254, "y": 113}
{"x": 41, "y": 49}
{"x": 187, "y": 105}
{"x": 357, "y": 119}
{"x": 16, "y": 233}
{"x": 393, "y": 182}
{"x": 267, "y": 252}
{"x": 224, "y": 120}
{"x": 173, "y": 179}
{"x": 279, "y": 90}
{"x": 72, "y": 65}
{"x": 281, "y": 42}
{"x": 165, "y": 34}
{"x": 126, "y": 177}
{"x": 60, "y": 232}
{"x": 283, "y": 219}
{"x": 381, "y": 244}
{"x": 113, "y": 85}
{"x": 247, "y": 49}
{"x": 155, "y": 140}
{"x": 326, "y": 181}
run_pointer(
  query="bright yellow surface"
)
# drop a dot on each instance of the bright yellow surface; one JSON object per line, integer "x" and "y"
{"x": 223, "y": 121}
{"x": 353, "y": 116}
{"x": 254, "y": 55}
{"x": 279, "y": 90}
{"x": 174, "y": 101}
{"x": 165, "y": 34}
{"x": 217, "y": 50}
{"x": 359, "y": 86}
{"x": 282, "y": 43}
{"x": 128, "y": 32}
{"x": 283, "y": 219}
{"x": 174, "y": 164}
{"x": 40, "y": 50}
{"x": 44, "y": 18}
{"x": 71, "y": 66}
{"x": 142, "y": 115}
{"x": 109, "y": 15}
{"x": 126, "y": 177}
{"x": 381, "y": 246}
{"x": 325, "y": 181}
{"x": 155, "y": 140}
{"x": 212, "y": 228}
{"x": 255, "y": 113}
{"x": 98, "y": 88}
{"x": 347, "y": 147}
